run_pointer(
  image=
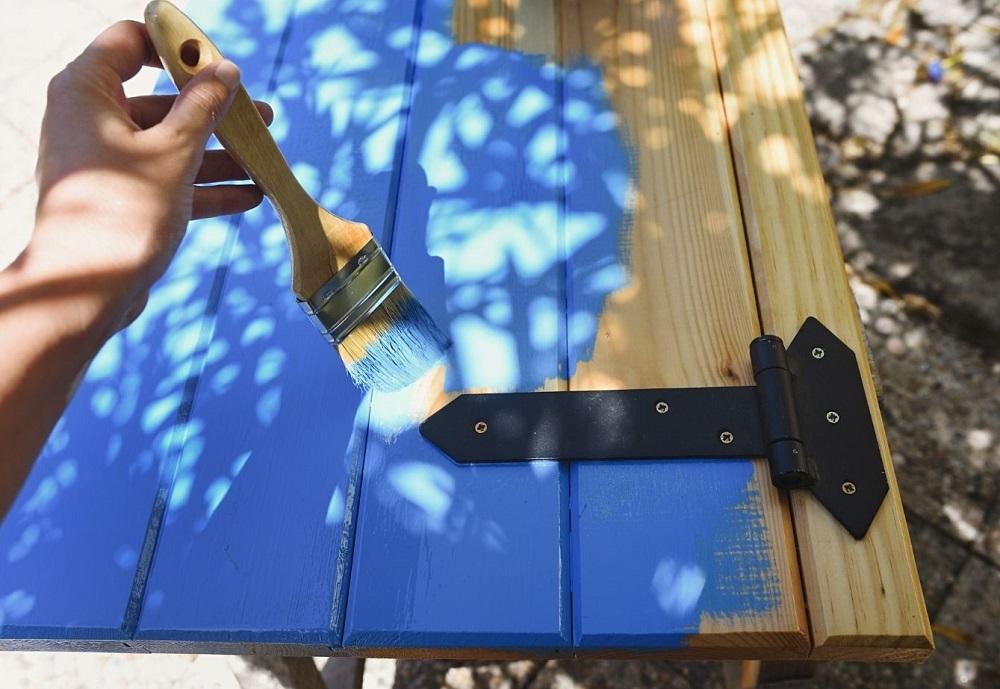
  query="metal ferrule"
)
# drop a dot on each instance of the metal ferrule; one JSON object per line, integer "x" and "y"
{"x": 352, "y": 293}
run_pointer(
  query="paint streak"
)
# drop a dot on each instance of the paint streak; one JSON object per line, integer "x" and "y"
{"x": 656, "y": 546}
{"x": 742, "y": 578}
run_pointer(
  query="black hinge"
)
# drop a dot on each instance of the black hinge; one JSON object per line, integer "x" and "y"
{"x": 808, "y": 414}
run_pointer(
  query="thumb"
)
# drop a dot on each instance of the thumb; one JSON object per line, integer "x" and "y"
{"x": 203, "y": 102}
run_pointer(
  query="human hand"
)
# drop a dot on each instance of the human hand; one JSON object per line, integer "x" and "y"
{"x": 116, "y": 176}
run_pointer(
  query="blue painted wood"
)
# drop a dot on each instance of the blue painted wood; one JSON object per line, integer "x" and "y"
{"x": 256, "y": 539}
{"x": 224, "y": 415}
{"x": 448, "y": 556}
{"x": 71, "y": 548}
{"x": 655, "y": 545}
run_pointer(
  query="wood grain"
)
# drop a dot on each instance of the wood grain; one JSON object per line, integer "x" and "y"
{"x": 684, "y": 318}
{"x": 864, "y": 597}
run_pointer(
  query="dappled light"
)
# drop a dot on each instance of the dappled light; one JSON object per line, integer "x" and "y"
{"x": 496, "y": 142}
{"x": 206, "y": 400}
{"x": 566, "y": 211}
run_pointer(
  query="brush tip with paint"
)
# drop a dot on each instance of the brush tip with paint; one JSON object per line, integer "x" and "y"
{"x": 396, "y": 345}
{"x": 341, "y": 276}
{"x": 385, "y": 337}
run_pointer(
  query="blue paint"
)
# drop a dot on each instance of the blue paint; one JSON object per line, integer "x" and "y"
{"x": 259, "y": 545}
{"x": 242, "y": 476}
{"x": 599, "y": 205}
{"x": 481, "y": 237}
{"x": 64, "y": 542}
{"x": 408, "y": 345}
{"x": 436, "y": 541}
{"x": 656, "y": 546}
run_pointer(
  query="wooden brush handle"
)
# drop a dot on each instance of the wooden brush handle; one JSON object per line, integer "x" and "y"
{"x": 320, "y": 243}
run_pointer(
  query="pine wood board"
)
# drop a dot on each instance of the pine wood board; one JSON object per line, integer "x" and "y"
{"x": 695, "y": 330}
{"x": 864, "y": 597}
{"x": 684, "y": 317}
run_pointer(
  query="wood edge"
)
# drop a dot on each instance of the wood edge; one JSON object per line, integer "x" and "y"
{"x": 763, "y": 645}
{"x": 907, "y": 649}
{"x": 786, "y": 549}
{"x": 824, "y": 230}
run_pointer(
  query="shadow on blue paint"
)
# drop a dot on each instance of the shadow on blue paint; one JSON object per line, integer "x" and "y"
{"x": 225, "y": 413}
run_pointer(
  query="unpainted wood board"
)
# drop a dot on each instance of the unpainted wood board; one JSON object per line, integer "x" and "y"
{"x": 864, "y": 596}
{"x": 693, "y": 554}
{"x": 450, "y": 558}
{"x": 255, "y": 544}
{"x": 75, "y": 546}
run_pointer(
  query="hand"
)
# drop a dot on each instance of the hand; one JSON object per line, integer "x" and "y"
{"x": 116, "y": 182}
{"x": 116, "y": 176}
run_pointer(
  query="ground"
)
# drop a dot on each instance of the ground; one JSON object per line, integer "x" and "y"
{"x": 903, "y": 101}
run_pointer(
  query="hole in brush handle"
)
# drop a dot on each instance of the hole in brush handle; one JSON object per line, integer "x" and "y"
{"x": 190, "y": 52}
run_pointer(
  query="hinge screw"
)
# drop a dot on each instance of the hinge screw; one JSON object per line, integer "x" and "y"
{"x": 480, "y": 427}
{"x": 662, "y": 407}
{"x": 832, "y": 416}
{"x": 818, "y": 353}
{"x": 726, "y": 437}
{"x": 848, "y": 488}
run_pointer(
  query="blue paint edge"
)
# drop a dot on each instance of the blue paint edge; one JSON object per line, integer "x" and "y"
{"x": 296, "y": 637}
{"x": 42, "y": 633}
{"x": 504, "y": 641}
{"x": 616, "y": 643}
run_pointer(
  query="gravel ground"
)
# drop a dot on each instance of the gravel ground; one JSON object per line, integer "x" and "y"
{"x": 903, "y": 99}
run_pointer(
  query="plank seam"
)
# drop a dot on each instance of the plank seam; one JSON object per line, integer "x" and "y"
{"x": 342, "y": 587}
{"x": 147, "y": 553}
{"x": 409, "y": 78}
{"x": 565, "y": 467}
{"x": 741, "y": 205}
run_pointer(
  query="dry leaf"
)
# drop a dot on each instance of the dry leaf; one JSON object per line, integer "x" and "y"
{"x": 952, "y": 634}
{"x": 915, "y": 190}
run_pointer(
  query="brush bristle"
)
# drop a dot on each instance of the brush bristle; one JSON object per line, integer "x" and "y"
{"x": 395, "y": 345}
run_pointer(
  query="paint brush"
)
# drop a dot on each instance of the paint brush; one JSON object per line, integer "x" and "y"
{"x": 341, "y": 276}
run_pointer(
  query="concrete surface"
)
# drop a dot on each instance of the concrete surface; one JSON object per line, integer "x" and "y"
{"x": 913, "y": 164}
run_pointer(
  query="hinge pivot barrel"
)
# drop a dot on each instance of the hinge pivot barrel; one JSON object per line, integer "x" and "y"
{"x": 786, "y": 455}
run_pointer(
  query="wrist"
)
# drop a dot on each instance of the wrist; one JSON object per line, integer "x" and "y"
{"x": 62, "y": 296}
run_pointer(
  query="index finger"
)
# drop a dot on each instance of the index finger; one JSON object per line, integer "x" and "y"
{"x": 124, "y": 47}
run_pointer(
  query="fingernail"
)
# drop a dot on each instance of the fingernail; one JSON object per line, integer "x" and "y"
{"x": 228, "y": 73}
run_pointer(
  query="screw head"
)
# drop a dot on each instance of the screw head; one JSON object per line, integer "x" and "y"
{"x": 480, "y": 427}
{"x": 848, "y": 488}
{"x": 818, "y": 353}
{"x": 726, "y": 438}
{"x": 832, "y": 416}
{"x": 662, "y": 407}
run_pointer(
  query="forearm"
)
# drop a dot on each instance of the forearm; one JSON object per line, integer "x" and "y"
{"x": 118, "y": 180}
{"x": 53, "y": 319}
